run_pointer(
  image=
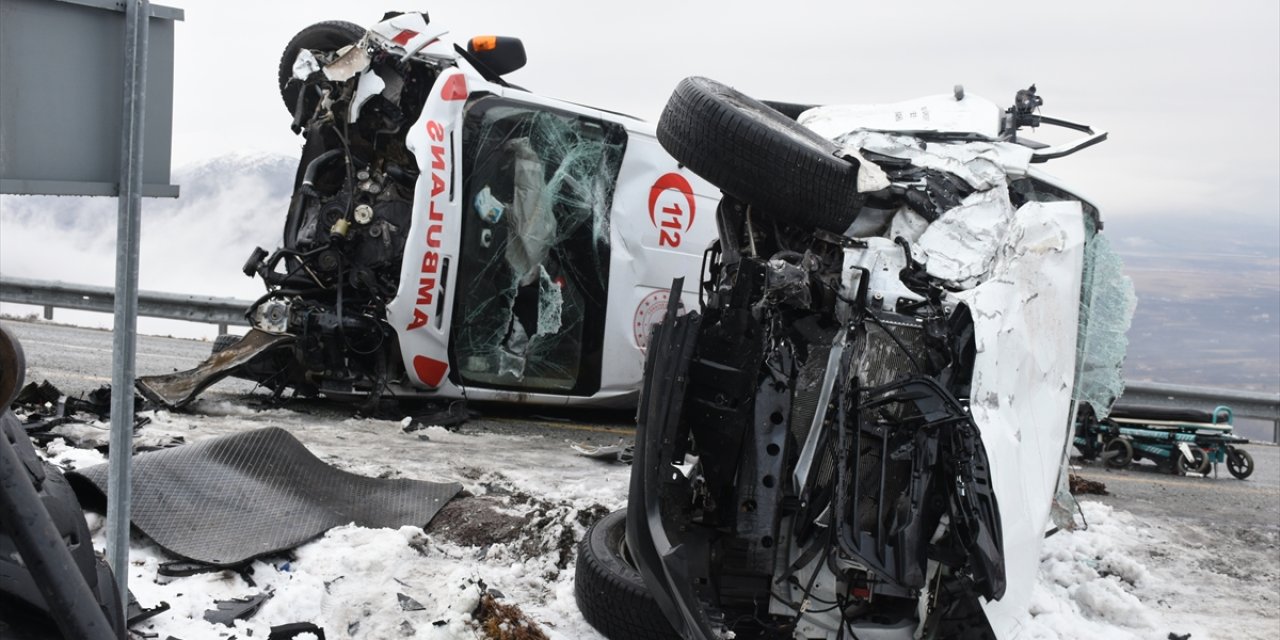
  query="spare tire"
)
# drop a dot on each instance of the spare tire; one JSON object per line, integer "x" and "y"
{"x": 609, "y": 590}
{"x": 759, "y": 156}
{"x": 223, "y": 341}
{"x": 328, "y": 36}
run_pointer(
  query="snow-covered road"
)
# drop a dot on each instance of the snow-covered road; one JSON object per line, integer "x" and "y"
{"x": 529, "y": 499}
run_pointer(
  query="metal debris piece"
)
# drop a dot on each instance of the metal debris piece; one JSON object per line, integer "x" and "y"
{"x": 409, "y": 604}
{"x": 226, "y": 612}
{"x": 176, "y": 390}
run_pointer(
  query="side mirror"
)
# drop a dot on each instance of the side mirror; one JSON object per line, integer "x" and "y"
{"x": 501, "y": 54}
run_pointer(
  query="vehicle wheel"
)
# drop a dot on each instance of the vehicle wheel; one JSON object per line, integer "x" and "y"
{"x": 759, "y": 155}
{"x": 1117, "y": 453}
{"x": 1239, "y": 463}
{"x": 1199, "y": 462}
{"x": 329, "y": 36}
{"x": 223, "y": 341}
{"x": 608, "y": 588}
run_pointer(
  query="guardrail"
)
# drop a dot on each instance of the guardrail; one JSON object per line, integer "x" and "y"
{"x": 228, "y": 311}
{"x": 1244, "y": 404}
{"x": 152, "y": 304}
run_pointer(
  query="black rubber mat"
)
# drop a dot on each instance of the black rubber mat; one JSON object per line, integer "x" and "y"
{"x": 224, "y": 500}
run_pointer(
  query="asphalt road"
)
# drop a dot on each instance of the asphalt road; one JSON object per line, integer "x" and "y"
{"x": 1145, "y": 490}
{"x": 78, "y": 360}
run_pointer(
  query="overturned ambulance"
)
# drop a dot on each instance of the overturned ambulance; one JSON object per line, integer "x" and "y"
{"x": 452, "y": 235}
{"x": 861, "y": 430}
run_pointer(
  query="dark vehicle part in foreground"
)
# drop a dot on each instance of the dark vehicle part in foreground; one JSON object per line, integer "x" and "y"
{"x": 47, "y": 561}
{"x": 1178, "y": 440}
{"x": 860, "y": 432}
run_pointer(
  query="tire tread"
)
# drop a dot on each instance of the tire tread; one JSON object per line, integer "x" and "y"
{"x": 611, "y": 594}
{"x": 759, "y": 156}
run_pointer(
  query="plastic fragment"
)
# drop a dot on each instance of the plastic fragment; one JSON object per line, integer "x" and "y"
{"x": 226, "y": 612}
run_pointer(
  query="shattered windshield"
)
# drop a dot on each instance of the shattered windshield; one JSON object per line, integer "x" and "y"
{"x": 535, "y": 246}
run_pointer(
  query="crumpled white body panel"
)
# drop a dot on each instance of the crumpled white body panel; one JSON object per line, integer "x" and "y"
{"x": 983, "y": 165}
{"x": 1025, "y": 320}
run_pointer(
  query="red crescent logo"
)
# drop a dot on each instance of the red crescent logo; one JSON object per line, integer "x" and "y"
{"x": 671, "y": 181}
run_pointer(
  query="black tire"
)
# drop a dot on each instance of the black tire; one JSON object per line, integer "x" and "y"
{"x": 789, "y": 109}
{"x": 1117, "y": 453}
{"x": 223, "y": 341}
{"x": 1239, "y": 463}
{"x": 1199, "y": 463}
{"x": 759, "y": 155}
{"x": 609, "y": 591}
{"x": 329, "y": 36}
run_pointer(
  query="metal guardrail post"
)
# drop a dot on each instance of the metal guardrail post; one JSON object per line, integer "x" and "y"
{"x": 125, "y": 338}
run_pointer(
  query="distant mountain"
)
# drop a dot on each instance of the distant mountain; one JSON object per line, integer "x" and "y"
{"x": 202, "y": 185}
{"x": 191, "y": 244}
{"x": 1195, "y": 234}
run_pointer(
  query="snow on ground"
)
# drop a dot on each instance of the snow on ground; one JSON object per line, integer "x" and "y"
{"x": 530, "y": 499}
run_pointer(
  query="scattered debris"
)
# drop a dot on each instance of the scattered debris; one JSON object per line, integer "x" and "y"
{"x": 621, "y": 452}
{"x": 228, "y": 611}
{"x": 136, "y": 613}
{"x": 500, "y": 621}
{"x": 450, "y": 414}
{"x": 1081, "y": 486}
{"x": 409, "y": 604}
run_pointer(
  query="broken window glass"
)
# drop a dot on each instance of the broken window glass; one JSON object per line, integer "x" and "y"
{"x": 1107, "y": 303}
{"x": 534, "y": 257}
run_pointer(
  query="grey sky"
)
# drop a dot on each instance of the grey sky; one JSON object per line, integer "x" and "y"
{"x": 1188, "y": 90}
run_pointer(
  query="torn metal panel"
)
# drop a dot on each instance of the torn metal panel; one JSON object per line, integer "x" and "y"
{"x": 1025, "y": 336}
{"x": 982, "y": 165}
{"x": 960, "y": 247}
{"x": 354, "y": 60}
{"x": 178, "y": 389}
{"x": 225, "y": 500}
{"x": 369, "y": 85}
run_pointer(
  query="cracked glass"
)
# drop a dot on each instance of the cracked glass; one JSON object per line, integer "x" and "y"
{"x": 534, "y": 258}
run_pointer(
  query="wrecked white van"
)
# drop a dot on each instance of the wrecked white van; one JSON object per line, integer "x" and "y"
{"x": 862, "y": 429}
